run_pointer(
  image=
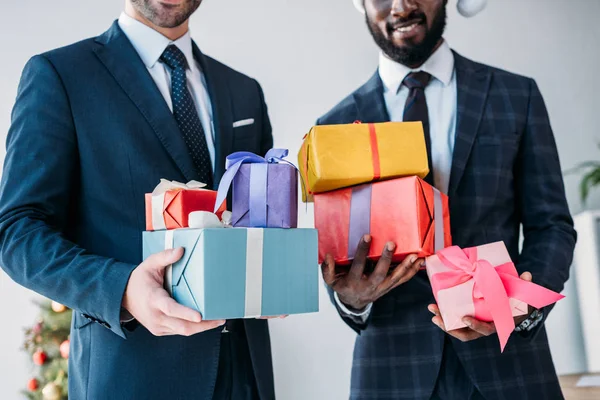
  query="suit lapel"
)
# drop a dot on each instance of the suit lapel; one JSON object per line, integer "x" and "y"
{"x": 370, "y": 105}
{"x": 473, "y": 83}
{"x": 221, "y": 103}
{"x": 120, "y": 58}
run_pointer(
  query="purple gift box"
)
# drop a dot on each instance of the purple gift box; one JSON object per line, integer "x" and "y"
{"x": 265, "y": 190}
{"x": 265, "y": 196}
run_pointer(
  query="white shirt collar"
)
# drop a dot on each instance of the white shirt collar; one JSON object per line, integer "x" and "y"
{"x": 440, "y": 65}
{"x": 150, "y": 44}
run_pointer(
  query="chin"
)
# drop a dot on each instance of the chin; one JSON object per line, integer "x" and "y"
{"x": 167, "y": 24}
{"x": 168, "y": 20}
{"x": 408, "y": 44}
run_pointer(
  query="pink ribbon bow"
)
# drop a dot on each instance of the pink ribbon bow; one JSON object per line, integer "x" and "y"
{"x": 493, "y": 286}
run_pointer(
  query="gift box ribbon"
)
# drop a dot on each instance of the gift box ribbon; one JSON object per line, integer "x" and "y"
{"x": 158, "y": 199}
{"x": 492, "y": 285}
{"x": 374, "y": 157}
{"x": 360, "y": 217}
{"x": 258, "y": 180}
{"x": 374, "y": 151}
{"x": 197, "y": 220}
{"x": 254, "y": 259}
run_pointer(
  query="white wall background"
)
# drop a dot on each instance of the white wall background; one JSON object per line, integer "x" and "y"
{"x": 307, "y": 55}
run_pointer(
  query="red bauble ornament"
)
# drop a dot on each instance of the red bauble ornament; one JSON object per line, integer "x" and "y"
{"x": 33, "y": 385}
{"x": 64, "y": 349}
{"x": 39, "y": 357}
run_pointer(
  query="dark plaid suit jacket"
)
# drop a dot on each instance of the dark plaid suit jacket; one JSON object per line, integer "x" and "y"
{"x": 505, "y": 173}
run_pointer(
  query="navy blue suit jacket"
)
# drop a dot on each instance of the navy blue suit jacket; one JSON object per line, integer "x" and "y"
{"x": 505, "y": 174}
{"x": 90, "y": 135}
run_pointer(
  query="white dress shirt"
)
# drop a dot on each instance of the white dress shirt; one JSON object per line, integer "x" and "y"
{"x": 441, "y": 96}
{"x": 150, "y": 45}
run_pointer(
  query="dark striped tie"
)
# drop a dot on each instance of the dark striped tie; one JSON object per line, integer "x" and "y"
{"x": 415, "y": 109}
{"x": 186, "y": 115}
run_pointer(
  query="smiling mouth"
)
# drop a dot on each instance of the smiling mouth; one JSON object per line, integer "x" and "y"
{"x": 170, "y": 4}
{"x": 407, "y": 26}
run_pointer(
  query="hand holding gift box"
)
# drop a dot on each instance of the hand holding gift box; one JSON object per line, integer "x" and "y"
{"x": 238, "y": 272}
{"x": 339, "y": 156}
{"x": 357, "y": 287}
{"x": 169, "y": 205}
{"x": 265, "y": 190}
{"x": 482, "y": 282}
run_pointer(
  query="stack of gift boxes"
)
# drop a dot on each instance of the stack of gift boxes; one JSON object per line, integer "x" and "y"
{"x": 363, "y": 179}
{"x": 368, "y": 179}
{"x": 248, "y": 263}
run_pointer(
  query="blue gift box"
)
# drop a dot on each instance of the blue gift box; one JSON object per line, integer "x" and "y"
{"x": 228, "y": 273}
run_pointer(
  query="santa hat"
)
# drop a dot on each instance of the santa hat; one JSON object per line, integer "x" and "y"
{"x": 466, "y": 8}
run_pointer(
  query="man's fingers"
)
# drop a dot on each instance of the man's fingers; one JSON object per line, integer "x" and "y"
{"x": 171, "y": 308}
{"x": 160, "y": 261}
{"x": 475, "y": 329}
{"x": 402, "y": 273}
{"x": 328, "y": 270}
{"x": 176, "y": 326}
{"x": 383, "y": 265}
{"x": 434, "y": 309}
{"x": 484, "y": 328}
{"x": 526, "y": 276}
{"x": 439, "y": 322}
{"x": 360, "y": 258}
{"x": 465, "y": 334}
{"x": 274, "y": 317}
{"x": 406, "y": 270}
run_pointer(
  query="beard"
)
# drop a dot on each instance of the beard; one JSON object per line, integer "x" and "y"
{"x": 162, "y": 15}
{"x": 411, "y": 54}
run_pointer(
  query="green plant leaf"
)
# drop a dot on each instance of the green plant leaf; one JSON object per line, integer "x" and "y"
{"x": 583, "y": 165}
{"x": 589, "y": 180}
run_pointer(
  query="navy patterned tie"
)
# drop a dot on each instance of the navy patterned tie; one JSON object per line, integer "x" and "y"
{"x": 186, "y": 115}
{"x": 415, "y": 109}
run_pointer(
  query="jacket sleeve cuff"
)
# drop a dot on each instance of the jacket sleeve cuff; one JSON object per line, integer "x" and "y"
{"x": 118, "y": 274}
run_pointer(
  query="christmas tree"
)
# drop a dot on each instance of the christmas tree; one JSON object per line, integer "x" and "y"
{"x": 47, "y": 342}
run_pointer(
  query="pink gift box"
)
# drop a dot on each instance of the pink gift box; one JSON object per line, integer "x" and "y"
{"x": 482, "y": 282}
{"x": 458, "y": 302}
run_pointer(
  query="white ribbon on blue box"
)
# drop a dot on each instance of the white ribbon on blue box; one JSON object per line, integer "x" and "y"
{"x": 240, "y": 272}
{"x": 254, "y": 264}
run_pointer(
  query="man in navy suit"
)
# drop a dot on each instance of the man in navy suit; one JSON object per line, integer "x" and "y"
{"x": 95, "y": 126}
{"x": 492, "y": 150}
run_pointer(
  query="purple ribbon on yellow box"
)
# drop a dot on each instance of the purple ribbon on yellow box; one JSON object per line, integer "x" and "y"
{"x": 493, "y": 287}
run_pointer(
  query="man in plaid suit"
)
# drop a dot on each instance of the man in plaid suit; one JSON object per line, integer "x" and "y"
{"x": 493, "y": 152}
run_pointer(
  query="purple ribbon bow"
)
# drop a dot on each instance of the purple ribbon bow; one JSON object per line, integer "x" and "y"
{"x": 258, "y": 180}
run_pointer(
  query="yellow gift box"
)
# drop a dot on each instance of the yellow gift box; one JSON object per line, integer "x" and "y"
{"x": 338, "y": 156}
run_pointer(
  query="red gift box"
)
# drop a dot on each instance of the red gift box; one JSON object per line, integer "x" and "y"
{"x": 406, "y": 211}
{"x": 169, "y": 209}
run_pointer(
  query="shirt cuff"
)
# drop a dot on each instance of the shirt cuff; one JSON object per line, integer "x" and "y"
{"x": 360, "y": 314}
{"x": 125, "y": 316}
